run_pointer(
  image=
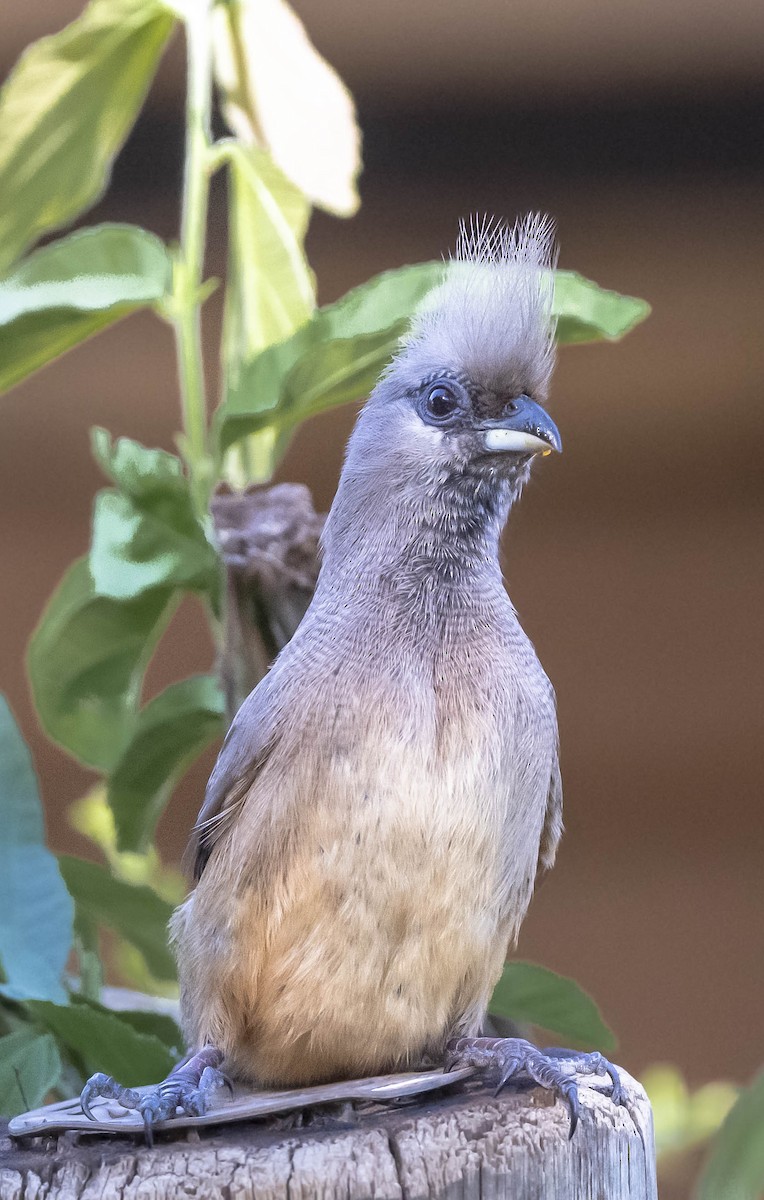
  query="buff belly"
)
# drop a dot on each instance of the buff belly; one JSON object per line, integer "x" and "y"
{"x": 378, "y": 941}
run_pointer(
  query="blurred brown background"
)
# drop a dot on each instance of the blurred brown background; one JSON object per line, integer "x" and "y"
{"x": 635, "y": 560}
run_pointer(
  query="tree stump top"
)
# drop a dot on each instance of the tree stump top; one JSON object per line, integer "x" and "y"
{"x": 462, "y": 1143}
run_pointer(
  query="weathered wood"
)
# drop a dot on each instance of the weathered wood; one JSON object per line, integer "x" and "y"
{"x": 463, "y": 1144}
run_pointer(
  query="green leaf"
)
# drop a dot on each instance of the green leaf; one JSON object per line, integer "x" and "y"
{"x": 735, "y": 1170}
{"x": 681, "y": 1118}
{"x": 145, "y": 1021}
{"x": 88, "y": 950}
{"x": 30, "y": 1066}
{"x": 102, "y": 1041}
{"x": 270, "y": 289}
{"x": 93, "y": 818}
{"x": 37, "y": 913}
{"x": 172, "y": 730}
{"x": 72, "y": 288}
{"x": 336, "y": 357}
{"x": 86, "y": 661}
{"x": 588, "y": 313}
{"x": 146, "y": 534}
{"x": 279, "y": 93}
{"x": 138, "y": 471}
{"x": 535, "y": 995}
{"x": 133, "y": 911}
{"x": 65, "y": 111}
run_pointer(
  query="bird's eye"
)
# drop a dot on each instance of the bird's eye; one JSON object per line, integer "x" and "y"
{"x": 441, "y": 403}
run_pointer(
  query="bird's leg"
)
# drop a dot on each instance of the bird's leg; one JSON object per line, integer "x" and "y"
{"x": 553, "y": 1068}
{"x": 187, "y": 1087}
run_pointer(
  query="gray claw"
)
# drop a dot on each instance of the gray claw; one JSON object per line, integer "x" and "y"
{"x": 616, "y": 1092}
{"x": 569, "y": 1095}
{"x": 510, "y": 1068}
{"x": 179, "y": 1094}
{"x": 553, "y": 1068}
{"x": 594, "y": 1064}
{"x": 187, "y": 1088}
{"x": 148, "y": 1127}
{"x": 212, "y": 1079}
{"x": 103, "y": 1086}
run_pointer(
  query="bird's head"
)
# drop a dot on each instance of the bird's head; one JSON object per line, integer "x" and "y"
{"x": 464, "y": 397}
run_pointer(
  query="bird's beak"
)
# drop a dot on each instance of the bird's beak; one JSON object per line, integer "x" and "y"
{"x": 526, "y": 429}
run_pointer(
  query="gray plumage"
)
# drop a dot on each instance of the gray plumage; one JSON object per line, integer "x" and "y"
{"x": 386, "y": 796}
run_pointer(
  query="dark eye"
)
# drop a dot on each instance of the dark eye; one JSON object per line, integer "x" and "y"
{"x": 441, "y": 403}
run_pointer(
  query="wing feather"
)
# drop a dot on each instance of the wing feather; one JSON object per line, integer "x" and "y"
{"x": 552, "y": 830}
{"x": 243, "y": 753}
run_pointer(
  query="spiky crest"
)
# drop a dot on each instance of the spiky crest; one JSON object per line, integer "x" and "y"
{"x": 491, "y": 318}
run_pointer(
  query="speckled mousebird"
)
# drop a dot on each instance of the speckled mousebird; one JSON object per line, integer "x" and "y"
{"x": 389, "y": 792}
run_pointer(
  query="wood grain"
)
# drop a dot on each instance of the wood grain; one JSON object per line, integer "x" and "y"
{"x": 464, "y": 1144}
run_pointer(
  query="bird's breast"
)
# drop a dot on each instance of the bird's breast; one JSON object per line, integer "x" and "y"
{"x": 429, "y": 779}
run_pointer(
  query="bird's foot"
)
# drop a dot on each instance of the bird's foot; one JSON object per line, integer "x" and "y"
{"x": 188, "y": 1088}
{"x": 553, "y": 1068}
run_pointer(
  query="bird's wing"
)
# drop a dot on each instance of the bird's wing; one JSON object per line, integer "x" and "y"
{"x": 552, "y": 830}
{"x": 241, "y": 757}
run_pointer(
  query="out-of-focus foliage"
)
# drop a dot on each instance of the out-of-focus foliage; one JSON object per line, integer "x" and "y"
{"x": 684, "y": 1118}
{"x": 92, "y": 816}
{"x": 278, "y": 93}
{"x": 86, "y": 663}
{"x": 587, "y": 313}
{"x": 133, "y": 910}
{"x": 731, "y": 1119}
{"x": 146, "y": 534}
{"x": 36, "y": 924}
{"x": 332, "y": 359}
{"x": 735, "y": 1168}
{"x": 73, "y": 288}
{"x": 533, "y": 995}
{"x": 173, "y": 729}
{"x": 49, "y": 1031}
{"x": 30, "y": 1067}
{"x": 270, "y": 289}
{"x": 98, "y": 1040}
{"x": 65, "y": 111}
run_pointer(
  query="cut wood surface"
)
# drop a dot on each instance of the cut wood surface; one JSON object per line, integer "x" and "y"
{"x": 462, "y": 1143}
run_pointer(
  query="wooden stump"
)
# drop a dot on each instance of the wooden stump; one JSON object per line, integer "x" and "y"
{"x": 462, "y": 1144}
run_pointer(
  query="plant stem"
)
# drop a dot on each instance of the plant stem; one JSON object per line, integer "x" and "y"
{"x": 193, "y": 230}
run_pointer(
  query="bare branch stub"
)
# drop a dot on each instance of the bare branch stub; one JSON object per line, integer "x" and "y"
{"x": 269, "y": 542}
